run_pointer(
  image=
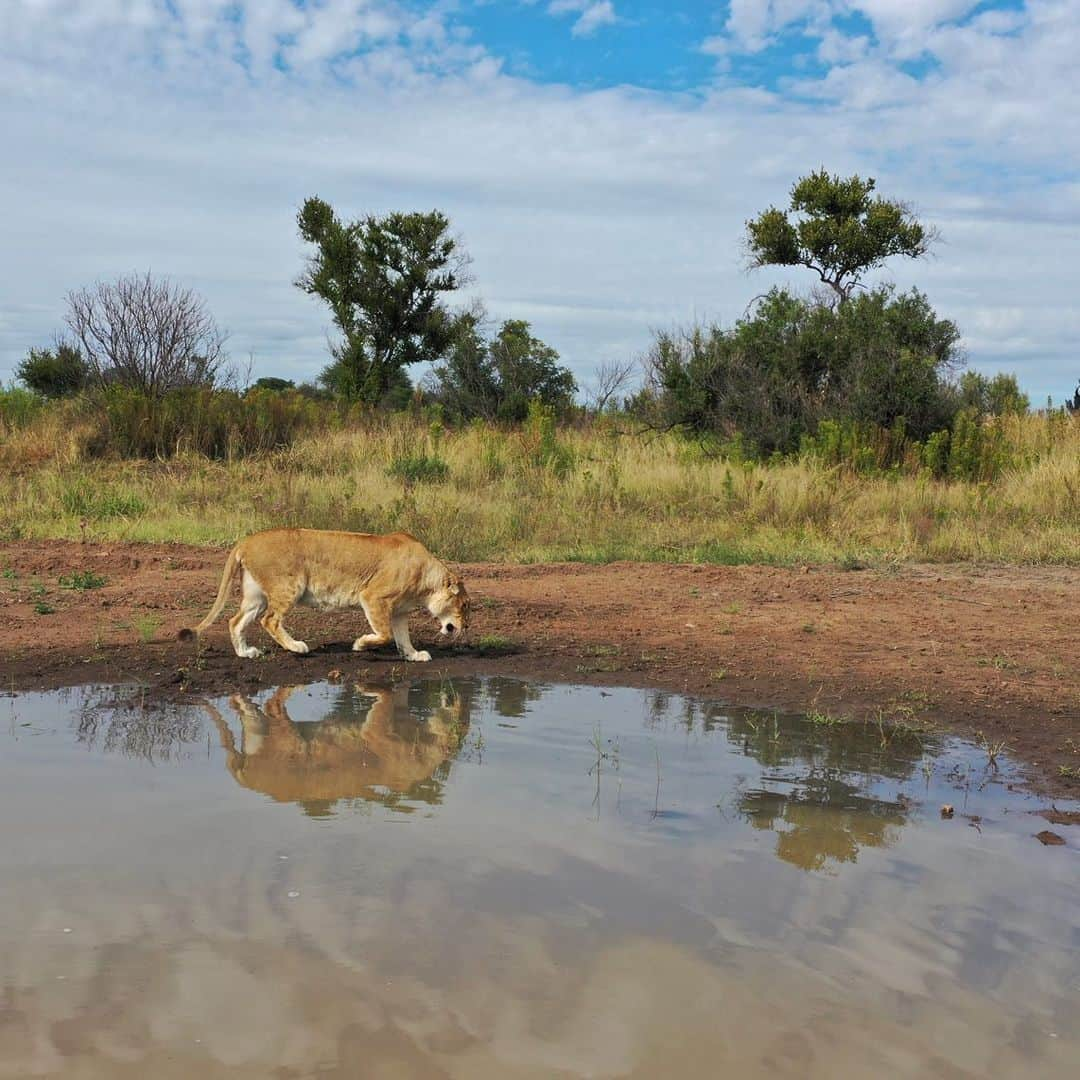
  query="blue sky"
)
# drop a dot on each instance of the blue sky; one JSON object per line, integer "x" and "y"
{"x": 599, "y": 158}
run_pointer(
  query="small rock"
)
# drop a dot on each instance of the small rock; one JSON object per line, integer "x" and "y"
{"x": 334, "y": 675}
{"x": 1051, "y": 839}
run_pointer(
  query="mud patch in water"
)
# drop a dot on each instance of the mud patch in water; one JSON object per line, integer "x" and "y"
{"x": 490, "y": 878}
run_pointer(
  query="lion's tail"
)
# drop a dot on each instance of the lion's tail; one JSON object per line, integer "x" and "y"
{"x": 232, "y": 564}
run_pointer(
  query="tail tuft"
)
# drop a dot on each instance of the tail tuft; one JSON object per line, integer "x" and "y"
{"x": 187, "y": 634}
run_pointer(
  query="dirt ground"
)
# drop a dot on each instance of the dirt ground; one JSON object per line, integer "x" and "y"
{"x": 971, "y": 649}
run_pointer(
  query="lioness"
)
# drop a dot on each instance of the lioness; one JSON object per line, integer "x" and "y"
{"x": 388, "y": 576}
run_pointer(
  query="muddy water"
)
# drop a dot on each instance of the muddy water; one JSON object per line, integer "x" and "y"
{"x": 497, "y": 879}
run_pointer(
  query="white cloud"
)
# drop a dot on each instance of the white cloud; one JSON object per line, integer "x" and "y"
{"x": 137, "y": 138}
{"x": 593, "y": 14}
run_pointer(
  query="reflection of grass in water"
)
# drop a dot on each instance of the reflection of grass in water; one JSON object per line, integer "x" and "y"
{"x": 129, "y": 723}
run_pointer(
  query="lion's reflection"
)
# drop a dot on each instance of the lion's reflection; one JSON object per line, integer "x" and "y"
{"x": 372, "y": 746}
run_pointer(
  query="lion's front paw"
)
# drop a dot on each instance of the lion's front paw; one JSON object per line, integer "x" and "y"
{"x": 301, "y": 647}
{"x": 420, "y": 657}
{"x": 249, "y": 652}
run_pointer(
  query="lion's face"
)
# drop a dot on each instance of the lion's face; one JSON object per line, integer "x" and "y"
{"x": 450, "y": 605}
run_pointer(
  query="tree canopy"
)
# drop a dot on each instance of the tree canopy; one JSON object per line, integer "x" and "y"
{"x": 838, "y": 228}
{"x": 382, "y": 278}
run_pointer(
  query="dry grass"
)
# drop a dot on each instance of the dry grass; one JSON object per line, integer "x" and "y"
{"x": 589, "y": 495}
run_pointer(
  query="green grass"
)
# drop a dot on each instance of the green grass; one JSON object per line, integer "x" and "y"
{"x": 147, "y": 627}
{"x": 494, "y": 645}
{"x": 82, "y": 579}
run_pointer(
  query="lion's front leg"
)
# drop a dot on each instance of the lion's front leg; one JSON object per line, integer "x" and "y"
{"x": 404, "y": 643}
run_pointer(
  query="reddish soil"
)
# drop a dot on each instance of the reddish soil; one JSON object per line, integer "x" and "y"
{"x": 972, "y": 649}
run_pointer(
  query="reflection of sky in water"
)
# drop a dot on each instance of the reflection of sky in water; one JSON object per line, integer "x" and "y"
{"x": 488, "y": 878}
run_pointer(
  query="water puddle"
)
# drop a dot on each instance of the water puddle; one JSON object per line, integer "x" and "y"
{"x": 491, "y": 878}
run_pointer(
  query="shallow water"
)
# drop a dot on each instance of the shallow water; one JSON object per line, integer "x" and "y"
{"x": 488, "y": 878}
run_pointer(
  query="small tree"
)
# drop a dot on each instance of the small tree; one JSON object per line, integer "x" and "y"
{"x": 1074, "y": 405}
{"x": 147, "y": 334}
{"x": 467, "y": 383}
{"x": 272, "y": 382}
{"x": 996, "y": 397}
{"x": 497, "y": 379}
{"x": 841, "y": 232}
{"x": 54, "y": 373}
{"x": 528, "y": 369}
{"x": 382, "y": 279}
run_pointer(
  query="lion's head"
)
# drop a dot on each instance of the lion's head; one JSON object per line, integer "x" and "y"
{"x": 450, "y": 605}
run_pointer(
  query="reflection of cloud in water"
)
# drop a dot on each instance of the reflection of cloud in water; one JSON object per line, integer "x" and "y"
{"x": 216, "y": 934}
{"x": 379, "y": 749}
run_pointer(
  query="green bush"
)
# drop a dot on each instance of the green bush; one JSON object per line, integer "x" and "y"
{"x": 771, "y": 379}
{"x": 419, "y": 469}
{"x": 54, "y": 373}
{"x": 216, "y": 423}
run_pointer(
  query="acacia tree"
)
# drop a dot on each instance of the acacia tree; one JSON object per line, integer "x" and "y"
{"x": 841, "y": 231}
{"x": 382, "y": 279}
{"x": 146, "y": 333}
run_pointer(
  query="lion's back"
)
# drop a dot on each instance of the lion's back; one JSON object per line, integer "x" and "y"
{"x": 335, "y": 566}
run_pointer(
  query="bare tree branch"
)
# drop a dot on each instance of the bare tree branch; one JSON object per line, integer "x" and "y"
{"x": 612, "y": 379}
{"x": 147, "y": 333}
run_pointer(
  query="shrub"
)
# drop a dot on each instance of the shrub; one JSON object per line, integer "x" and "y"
{"x": 54, "y": 373}
{"x": 18, "y": 407}
{"x": 419, "y": 469}
{"x": 216, "y": 423}
{"x": 877, "y": 359}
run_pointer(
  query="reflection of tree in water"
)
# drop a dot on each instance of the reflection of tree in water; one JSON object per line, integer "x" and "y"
{"x": 124, "y": 720}
{"x": 829, "y": 809}
{"x": 510, "y": 697}
{"x": 827, "y": 820}
{"x": 390, "y": 745}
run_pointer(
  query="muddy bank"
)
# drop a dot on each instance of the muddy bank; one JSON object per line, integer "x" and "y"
{"x": 971, "y": 649}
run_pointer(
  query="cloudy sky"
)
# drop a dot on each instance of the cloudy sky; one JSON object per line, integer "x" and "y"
{"x": 598, "y": 157}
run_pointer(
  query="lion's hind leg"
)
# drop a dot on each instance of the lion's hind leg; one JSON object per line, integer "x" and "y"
{"x": 252, "y": 605}
{"x": 280, "y": 603}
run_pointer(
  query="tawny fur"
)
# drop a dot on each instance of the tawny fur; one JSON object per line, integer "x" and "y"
{"x": 386, "y": 576}
{"x": 386, "y": 754}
